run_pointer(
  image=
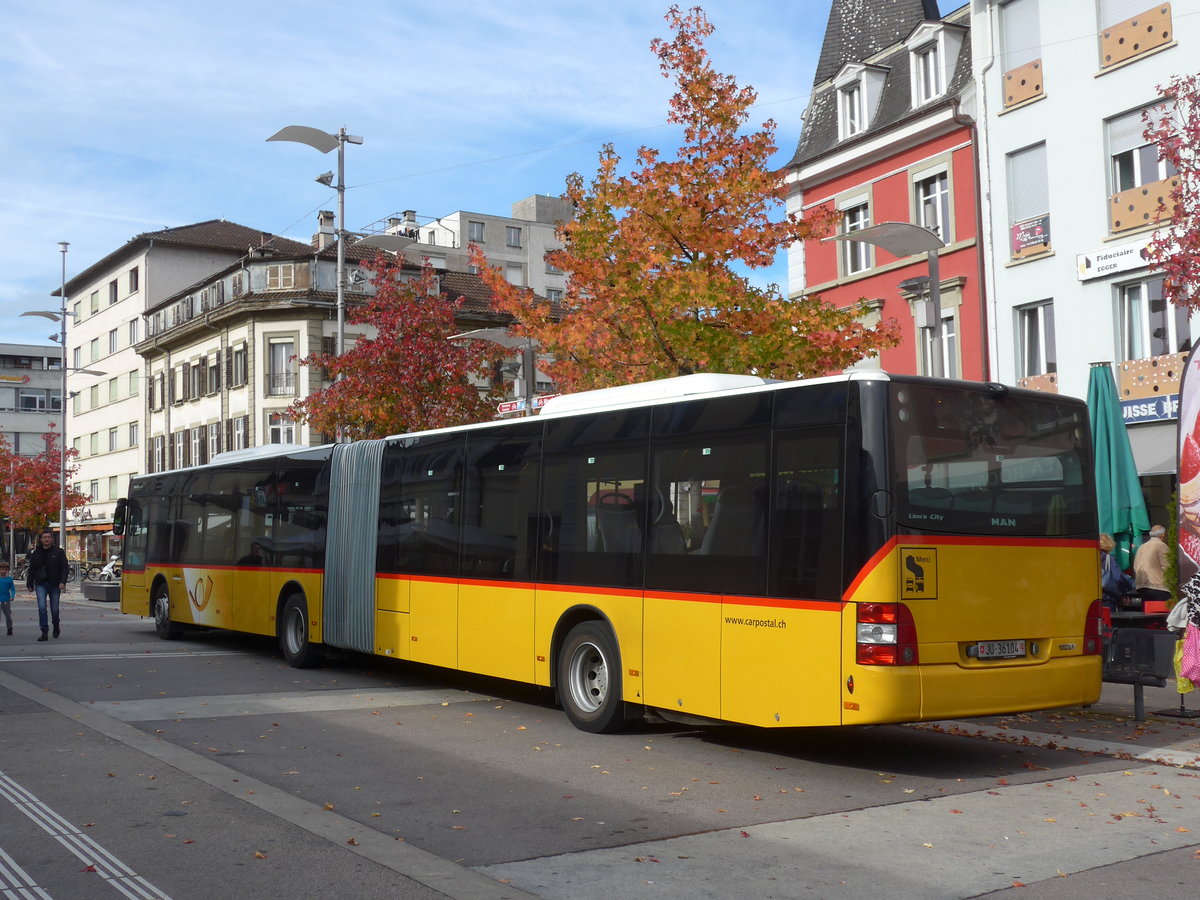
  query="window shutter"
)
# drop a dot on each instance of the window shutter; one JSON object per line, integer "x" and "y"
{"x": 1125, "y": 133}
{"x": 1021, "y": 36}
{"x": 1028, "y": 185}
{"x": 229, "y": 365}
{"x": 246, "y": 428}
{"x": 229, "y": 434}
{"x": 1114, "y": 11}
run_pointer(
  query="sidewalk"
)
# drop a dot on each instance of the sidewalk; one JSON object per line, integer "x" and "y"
{"x": 1106, "y": 727}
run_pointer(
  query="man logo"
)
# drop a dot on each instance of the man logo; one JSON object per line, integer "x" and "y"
{"x": 1007, "y": 523}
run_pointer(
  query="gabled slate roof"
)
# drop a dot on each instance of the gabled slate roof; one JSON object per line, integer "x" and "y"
{"x": 882, "y": 26}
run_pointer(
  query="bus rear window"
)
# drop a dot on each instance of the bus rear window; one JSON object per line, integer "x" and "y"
{"x": 966, "y": 461}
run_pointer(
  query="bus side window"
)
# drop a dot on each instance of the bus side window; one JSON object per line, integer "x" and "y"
{"x": 591, "y": 527}
{"x": 806, "y": 526}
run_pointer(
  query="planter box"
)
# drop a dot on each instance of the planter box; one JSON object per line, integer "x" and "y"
{"x": 105, "y": 591}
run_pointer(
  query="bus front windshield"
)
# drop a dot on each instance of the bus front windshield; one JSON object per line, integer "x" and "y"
{"x": 970, "y": 461}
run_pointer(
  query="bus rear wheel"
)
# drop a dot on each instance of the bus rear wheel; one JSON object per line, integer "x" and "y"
{"x": 298, "y": 650}
{"x": 160, "y": 605}
{"x": 589, "y": 679}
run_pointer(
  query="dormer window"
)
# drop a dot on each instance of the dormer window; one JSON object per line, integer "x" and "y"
{"x": 858, "y": 89}
{"x": 932, "y": 55}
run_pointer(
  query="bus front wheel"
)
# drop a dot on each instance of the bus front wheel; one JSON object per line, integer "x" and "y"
{"x": 589, "y": 679}
{"x": 298, "y": 650}
{"x": 161, "y": 606}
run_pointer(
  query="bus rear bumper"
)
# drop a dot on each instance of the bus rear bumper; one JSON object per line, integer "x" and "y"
{"x": 932, "y": 692}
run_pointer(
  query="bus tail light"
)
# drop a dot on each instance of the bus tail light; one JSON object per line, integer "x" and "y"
{"x": 887, "y": 635}
{"x": 1093, "y": 630}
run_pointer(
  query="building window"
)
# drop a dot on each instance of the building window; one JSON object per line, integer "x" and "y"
{"x": 94, "y": 302}
{"x": 1028, "y": 202}
{"x": 237, "y": 374}
{"x": 79, "y": 311}
{"x": 112, "y": 390}
{"x": 949, "y": 344}
{"x": 851, "y": 116}
{"x": 1149, "y": 325}
{"x": 1132, "y": 28}
{"x": 214, "y": 373}
{"x": 281, "y": 277}
{"x": 159, "y": 453}
{"x": 1020, "y": 37}
{"x": 554, "y": 295}
{"x": 93, "y": 396}
{"x": 239, "y": 433}
{"x": 856, "y": 255}
{"x": 112, "y": 341}
{"x": 281, "y": 380}
{"x": 114, "y": 487}
{"x": 197, "y": 373}
{"x": 77, "y": 357}
{"x": 512, "y": 236}
{"x": 1035, "y": 339}
{"x": 94, "y": 349}
{"x": 112, "y": 439}
{"x": 514, "y": 273}
{"x": 281, "y": 429}
{"x": 933, "y": 204}
{"x": 133, "y": 434}
{"x": 133, "y": 280}
{"x": 180, "y": 442}
{"x": 112, "y": 292}
{"x": 94, "y": 443}
{"x": 94, "y": 490}
{"x": 1139, "y": 180}
{"x": 197, "y": 449}
{"x": 475, "y": 232}
{"x": 214, "y": 439}
{"x": 134, "y": 381}
{"x": 927, "y": 69}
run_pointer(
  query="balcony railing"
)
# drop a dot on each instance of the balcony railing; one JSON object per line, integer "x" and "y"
{"x": 281, "y": 384}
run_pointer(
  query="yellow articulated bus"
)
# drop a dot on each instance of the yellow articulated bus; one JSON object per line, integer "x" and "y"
{"x": 856, "y": 549}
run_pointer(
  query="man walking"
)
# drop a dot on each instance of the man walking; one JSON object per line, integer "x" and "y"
{"x": 48, "y": 577}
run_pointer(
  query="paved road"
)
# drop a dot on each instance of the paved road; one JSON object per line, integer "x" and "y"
{"x": 169, "y": 769}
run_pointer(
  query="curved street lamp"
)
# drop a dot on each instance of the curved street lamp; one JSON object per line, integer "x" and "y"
{"x": 906, "y": 239}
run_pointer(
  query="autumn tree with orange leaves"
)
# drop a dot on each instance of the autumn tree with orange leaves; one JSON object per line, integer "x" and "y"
{"x": 1175, "y": 247}
{"x": 33, "y": 501}
{"x": 652, "y": 257}
{"x": 408, "y": 377}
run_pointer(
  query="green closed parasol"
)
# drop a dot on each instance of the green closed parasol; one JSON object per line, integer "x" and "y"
{"x": 1119, "y": 500}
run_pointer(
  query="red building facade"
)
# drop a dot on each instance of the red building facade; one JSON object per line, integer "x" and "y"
{"x": 888, "y": 138}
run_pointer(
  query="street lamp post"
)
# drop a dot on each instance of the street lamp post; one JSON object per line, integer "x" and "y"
{"x": 905, "y": 239}
{"x": 528, "y": 356}
{"x": 60, "y": 316}
{"x": 324, "y": 141}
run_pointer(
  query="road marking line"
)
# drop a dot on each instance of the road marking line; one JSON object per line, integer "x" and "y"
{"x": 114, "y": 872}
{"x": 15, "y": 882}
{"x": 149, "y": 655}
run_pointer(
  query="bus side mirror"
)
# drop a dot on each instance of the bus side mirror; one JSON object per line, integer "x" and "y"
{"x": 118, "y": 523}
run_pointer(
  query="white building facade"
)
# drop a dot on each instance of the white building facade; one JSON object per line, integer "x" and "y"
{"x": 106, "y": 413}
{"x": 1070, "y": 192}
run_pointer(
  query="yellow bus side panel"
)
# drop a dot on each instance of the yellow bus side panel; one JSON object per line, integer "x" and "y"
{"x": 433, "y": 634}
{"x": 682, "y": 649}
{"x": 780, "y": 666}
{"x": 392, "y": 594}
{"x": 391, "y": 634}
{"x": 495, "y": 633}
{"x": 623, "y": 612}
{"x": 253, "y": 603}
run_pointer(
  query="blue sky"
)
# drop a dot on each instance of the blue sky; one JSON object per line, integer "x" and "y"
{"x": 120, "y": 118}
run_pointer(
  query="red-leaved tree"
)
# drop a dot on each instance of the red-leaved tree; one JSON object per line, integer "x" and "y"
{"x": 1175, "y": 247}
{"x": 655, "y": 259}
{"x": 408, "y": 377}
{"x": 33, "y": 501}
